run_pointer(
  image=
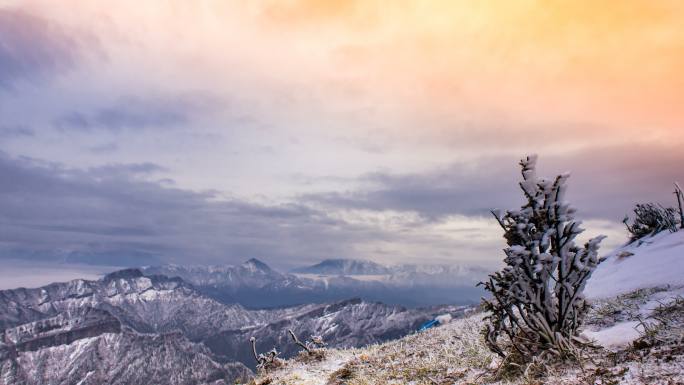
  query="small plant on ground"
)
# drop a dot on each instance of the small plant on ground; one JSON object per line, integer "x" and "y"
{"x": 664, "y": 326}
{"x": 311, "y": 349}
{"x": 680, "y": 203}
{"x": 340, "y": 376}
{"x": 266, "y": 361}
{"x": 650, "y": 219}
{"x": 537, "y": 303}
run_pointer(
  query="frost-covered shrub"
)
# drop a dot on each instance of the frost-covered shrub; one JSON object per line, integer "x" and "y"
{"x": 537, "y": 303}
{"x": 650, "y": 219}
{"x": 266, "y": 361}
{"x": 313, "y": 349}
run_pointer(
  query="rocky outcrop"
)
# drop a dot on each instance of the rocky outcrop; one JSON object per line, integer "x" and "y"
{"x": 62, "y": 329}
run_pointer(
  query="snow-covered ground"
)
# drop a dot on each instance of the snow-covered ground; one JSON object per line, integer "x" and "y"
{"x": 633, "y": 291}
{"x": 656, "y": 261}
{"x": 617, "y": 335}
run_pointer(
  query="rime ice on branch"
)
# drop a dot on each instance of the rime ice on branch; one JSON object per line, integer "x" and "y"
{"x": 680, "y": 203}
{"x": 537, "y": 303}
{"x": 650, "y": 219}
{"x": 265, "y": 361}
{"x": 309, "y": 346}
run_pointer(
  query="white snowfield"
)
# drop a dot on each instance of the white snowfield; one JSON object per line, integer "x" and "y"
{"x": 652, "y": 262}
{"x": 656, "y": 261}
{"x": 455, "y": 353}
{"x": 615, "y": 336}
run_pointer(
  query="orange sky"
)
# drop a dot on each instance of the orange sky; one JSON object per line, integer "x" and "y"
{"x": 614, "y": 65}
{"x": 617, "y": 65}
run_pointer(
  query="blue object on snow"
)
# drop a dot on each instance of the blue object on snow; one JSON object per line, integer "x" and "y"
{"x": 428, "y": 325}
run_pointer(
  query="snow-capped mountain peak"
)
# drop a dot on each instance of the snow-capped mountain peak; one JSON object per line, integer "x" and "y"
{"x": 254, "y": 265}
{"x": 345, "y": 267}
{"x": 123, "y": 274}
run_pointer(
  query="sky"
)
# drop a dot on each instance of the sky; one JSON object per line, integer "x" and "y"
{"x": 211, "y": 132}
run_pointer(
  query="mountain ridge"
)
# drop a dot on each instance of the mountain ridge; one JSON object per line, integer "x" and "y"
{"x": 126, "y": 308}
{"x": 344, "y": 266}
{"x": 255, "y": 285}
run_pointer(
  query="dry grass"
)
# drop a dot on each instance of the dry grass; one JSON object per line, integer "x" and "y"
{"x": 447, "y": 354}
{"x": 311, "y": 356}
{"x": 665, "y": 325}
{"x": 456, "y": 354}
{"x": 625, "y": 307}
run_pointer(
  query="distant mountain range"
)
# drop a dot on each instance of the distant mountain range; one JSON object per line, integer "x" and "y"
{"x": 135, "y": 327}
{"x": 345, "y": 267}
{"x": 254, "y": 284}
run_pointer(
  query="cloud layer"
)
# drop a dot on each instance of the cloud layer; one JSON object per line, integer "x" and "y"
{"x": 120, "y": 214}
{"x": 32, "y": 49}
{"x": 113, "y": 215}
{"x": 605, "y": 183}
{"x": 294, "y": 131}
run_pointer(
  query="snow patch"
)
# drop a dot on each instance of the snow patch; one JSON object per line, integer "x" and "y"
{"x": 618, "y": 335}
{"x": 655, "y": 261}
{"x": 444, "y": 319}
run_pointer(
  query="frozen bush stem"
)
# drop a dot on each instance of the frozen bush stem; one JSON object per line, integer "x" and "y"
{"x": 537, "y": 301}
{"x": 316, "y": 342}
{"x": 265, "y": 361}
{"x": 298, "y": 342}
{"x": 680, "y": 201}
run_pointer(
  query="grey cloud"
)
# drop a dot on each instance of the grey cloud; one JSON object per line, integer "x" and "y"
{"x": 120, "y": 215}
{"x": 138, "y": 113}
{"x": 32, "y": 48}
{"x": 94, "y": 229}
{"x": 126, "y": 170}
{"x": 461, "y": 188}
{"x": 16, "y": 131}
{"x": 113, "y": 215}
{"x": 103, "y": 148}
{"x": 605, "y": 184}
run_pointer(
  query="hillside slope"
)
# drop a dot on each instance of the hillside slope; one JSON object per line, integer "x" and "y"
{"x": 649, "y": 262}
{"x": 637, "y": 319}
{"x": 112, "y": 325}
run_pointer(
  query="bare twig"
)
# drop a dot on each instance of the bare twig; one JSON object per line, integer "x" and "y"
{"x": 298, "y": 342}
{"x": 680, "y": 198}
{"x": 256, "y": 357}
